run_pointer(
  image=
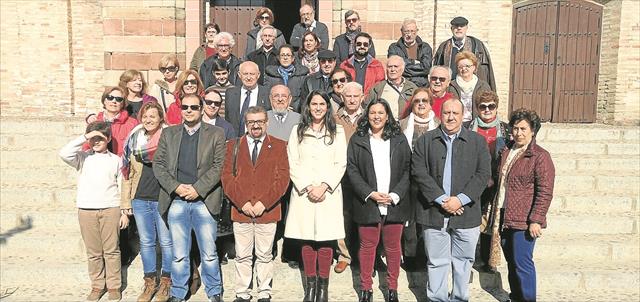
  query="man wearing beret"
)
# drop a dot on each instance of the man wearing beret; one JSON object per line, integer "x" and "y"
{"x": 446, "y": 53}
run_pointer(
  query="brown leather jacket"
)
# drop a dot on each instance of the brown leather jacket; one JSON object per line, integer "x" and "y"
{"x": 529, "y": 188}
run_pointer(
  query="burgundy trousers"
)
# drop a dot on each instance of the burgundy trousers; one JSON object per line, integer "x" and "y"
{"x": 369, "y": 239}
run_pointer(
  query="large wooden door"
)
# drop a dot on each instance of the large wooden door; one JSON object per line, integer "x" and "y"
{"x": 554, "y": 68}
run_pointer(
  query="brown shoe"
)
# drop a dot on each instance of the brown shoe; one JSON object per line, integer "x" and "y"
{"x": 96, "y": 294}
{"x": 149, "y": 288}
{"x": 114, "y": 295}
{"x": 340, "y": 267}
{"x": 163, "y": 290}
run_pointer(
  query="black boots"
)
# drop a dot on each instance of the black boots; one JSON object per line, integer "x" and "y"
{"x": 310, "y": 290}
{"x": 323, "y": 290}
{"x": 366, "y": 296}
{"x": 393, "y": 295}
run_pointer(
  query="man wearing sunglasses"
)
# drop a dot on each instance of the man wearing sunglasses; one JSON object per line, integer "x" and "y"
{"x": 439, "y": 80}
{"x": 320, "y": 80}
{"x": 446, "y": 53}
{"x": 363, "y": 67}
{"x": 212, "y": 104}
{"x": 188, "y": 164}
{"x": 345, "y": 44}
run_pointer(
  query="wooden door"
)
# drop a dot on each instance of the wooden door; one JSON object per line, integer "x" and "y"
{"x": 235, "y": 17}
{"x": 555, "y": 56}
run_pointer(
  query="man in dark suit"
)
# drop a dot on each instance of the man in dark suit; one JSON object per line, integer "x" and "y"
{"x": 188, "y": 164}
{"x": 239, "y": 99}
{"x": 309, "y": 24}
{"x": 320, "y": 80}
{"x": 451, "y": 166}
{"x": 258, "y": 158}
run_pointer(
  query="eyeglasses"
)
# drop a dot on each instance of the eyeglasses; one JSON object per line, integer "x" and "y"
{"x": 409, "y": 31}
{"x": 484, "y": 107}
{"x": 257, "y": 122}
{"x": 365, "y": 44}
{"x": 118, "y": 99}
{"x": 223, "y": 46}
{"x": 190, "y": 82}
{"x": 464, "y": 66}
{"x": 279, "y": 96}
{"x": 169, "y": 69}
{"x": 341, "y": 80}
{"x": 424, "y": 101}
{"x": 437, "y": 79}
{"x": 215, "y": 103}
{"x": 192, "y": 107}
{"x": 351, "y": 20}
{"x": 264, "y": 17}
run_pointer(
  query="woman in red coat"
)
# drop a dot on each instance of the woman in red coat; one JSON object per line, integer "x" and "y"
{"x": 115, "y": 111}
{"x": 188, "y": 83}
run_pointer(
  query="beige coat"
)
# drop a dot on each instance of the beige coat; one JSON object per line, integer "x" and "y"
{"x": 312, "y": 162}
{"x": 130, "y": 184}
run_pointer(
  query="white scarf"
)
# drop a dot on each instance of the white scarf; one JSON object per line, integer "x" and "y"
{"x": 467, "y": 87}
{"x": 408, "y": 132}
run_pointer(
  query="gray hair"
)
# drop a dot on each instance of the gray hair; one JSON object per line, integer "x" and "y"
{"x": 224, "y": 35}
{"x": 396, "y": 57}
{"x": 407, "y": 22}
{"x": 355, "y": 85}
{"x": 447, "y": 68}
{"x": 351, "y": 12}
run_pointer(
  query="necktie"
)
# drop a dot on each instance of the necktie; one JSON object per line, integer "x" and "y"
{"x": 279, "y": 117}
{"x": 254, "y": 154}
{"x": 245, "y": 106}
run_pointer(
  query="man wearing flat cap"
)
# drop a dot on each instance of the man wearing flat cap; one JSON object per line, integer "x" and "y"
{"x": 320, "y": 80}
{"x": 446, "y": 53}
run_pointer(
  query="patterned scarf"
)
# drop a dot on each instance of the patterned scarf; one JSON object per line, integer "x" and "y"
{"x": 311, "y": 61}
{"x": 351, "y": 37}
{"x": 140, "y": 146}
{"x": 500, "y": 141}
{"x": 286, "y": 72}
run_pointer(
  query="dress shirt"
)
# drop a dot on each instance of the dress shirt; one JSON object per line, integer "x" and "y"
{"x": 254, "y": 96}
{"x": 250, "y": 142}
{"x": 446, "y": 177}
{"x": 193, "y": 130}
{"x": 381, "y": 153}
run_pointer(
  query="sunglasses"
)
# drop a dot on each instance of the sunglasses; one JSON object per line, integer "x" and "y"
{"x": 365, "y": 44}
{"x": 425, "y": 101}
{"x": 192, "y": 82}
{"x": 118, "y": 99}
{"x": 484, "y": 107}
{"x": 210, "y": 102}
{"x": 352, "y": 20}
{"x": 265, "y": 17}
{"x": 169, "y": 69}
{"x": 438, "y": 79}
{"x": 341, "y": 80}
{"x": 193, "y": 107}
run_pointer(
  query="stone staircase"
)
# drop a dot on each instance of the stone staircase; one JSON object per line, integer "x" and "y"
{"x": 589, "y": 252}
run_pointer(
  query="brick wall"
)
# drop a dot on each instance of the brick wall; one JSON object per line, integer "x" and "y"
{"x": 627, "y": 101}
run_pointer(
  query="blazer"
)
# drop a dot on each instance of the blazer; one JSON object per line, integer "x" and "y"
{"x": 363, "y": 180}
{"x": 232, "y": 101}
{"x": 210, "y": 161}
{"x": 300, "y": 29}
{"x": 248, "y": 185}
{"x": 470, "y": 171}
{"x": 315, "y": 81}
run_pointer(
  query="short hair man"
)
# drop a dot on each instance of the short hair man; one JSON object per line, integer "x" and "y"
{"x": 309, "y": 24}
{"x": 345, "y": 44}
{"x": 240, "y": 98}
{"x": 267, "y": 54}
{"x": 415, "y": 53}
{"x": 451, "y": 166}
{"x": 320, "y": 80}
{"x": 212, "y": 105}
{"x": 439, "y": 81}
{"x": 188, "y": 164}
{"x": 224, "y": 44}
{"x": 446, "y": 53}
{"x": 252, "y": 159}
{"x": 221, "y": 76}
{"x": 395, "y": 89}
{"x": 281, "y": 119}
{"x": 363, "y": 67}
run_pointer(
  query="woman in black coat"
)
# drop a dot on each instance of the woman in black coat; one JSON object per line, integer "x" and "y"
{"x": 378, "y": 160}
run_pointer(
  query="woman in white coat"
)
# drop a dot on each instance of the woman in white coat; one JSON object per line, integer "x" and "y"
{"x": 317, "y": 159}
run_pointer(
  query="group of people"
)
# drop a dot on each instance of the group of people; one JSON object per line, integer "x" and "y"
{"x": 333, "y": 151}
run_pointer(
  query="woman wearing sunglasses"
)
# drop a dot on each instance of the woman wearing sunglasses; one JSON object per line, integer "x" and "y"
{"x": 264, "y": 17}
{"x": 467, "y": 86}
{"x": 339, "y": 77}
{"x": 188, "y": 83}
{"x": 497, "y": 134}
{"x": 163, "y": 88}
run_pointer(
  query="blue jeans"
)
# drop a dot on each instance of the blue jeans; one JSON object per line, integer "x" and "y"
{"x": 518, "y": 247}
{"x": 183, "y": 218}
{"x": 151, "y": 226}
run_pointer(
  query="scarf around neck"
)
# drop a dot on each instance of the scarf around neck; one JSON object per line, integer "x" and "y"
{"x": 467, "y": 87}
{"x": 408, "y": 132}
{"x": 140, "y": 146}
{"x": 286, "y": 72}
{"x": 500, "y": 141}
{"x": 311, "y": 61}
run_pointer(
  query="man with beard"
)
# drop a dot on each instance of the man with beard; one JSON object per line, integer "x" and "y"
{"x": 309, "y": 24}
{"x": 415, "y": 53}
{"x": 446, "y": 54}
{"x": 345, "y": 44}
{"x": 363, "y": 67}
{"x": 320, "y": 80}
{"x": 281, "y": 119}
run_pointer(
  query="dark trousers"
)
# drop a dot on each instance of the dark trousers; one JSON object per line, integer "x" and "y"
{"x": 518, "y": 247}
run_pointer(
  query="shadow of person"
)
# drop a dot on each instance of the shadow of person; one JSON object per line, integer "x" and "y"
{"x": 491, "y": 282}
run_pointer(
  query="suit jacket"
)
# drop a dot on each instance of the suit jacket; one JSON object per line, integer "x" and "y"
{"x": 470, "y": 171}
{"x": 314, "y": 81}
{"x": 300, "y": 29}
{"x": 210, "y": 161}
{"x": 272, "y": 168}
{"x": 363, "y": 180}
{"x": 232, "y": 105}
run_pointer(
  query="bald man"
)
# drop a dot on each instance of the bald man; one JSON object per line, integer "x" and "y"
{"x": 396, "y": 90}
{"x": 238, "y": 99}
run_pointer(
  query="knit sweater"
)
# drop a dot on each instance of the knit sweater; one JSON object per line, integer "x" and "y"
{"x": 100, "y": 176}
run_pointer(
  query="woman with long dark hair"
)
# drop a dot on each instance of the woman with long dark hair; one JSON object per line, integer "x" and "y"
{"x": 317, "y": 160}
{"x": 378, "y": 161}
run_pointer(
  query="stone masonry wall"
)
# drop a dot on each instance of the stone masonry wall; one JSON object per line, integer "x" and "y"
{"x": 627, "y": 100}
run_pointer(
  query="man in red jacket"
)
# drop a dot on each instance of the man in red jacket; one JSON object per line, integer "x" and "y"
{"x": 251, "y": 160}
{"x": 364, "y": 68}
